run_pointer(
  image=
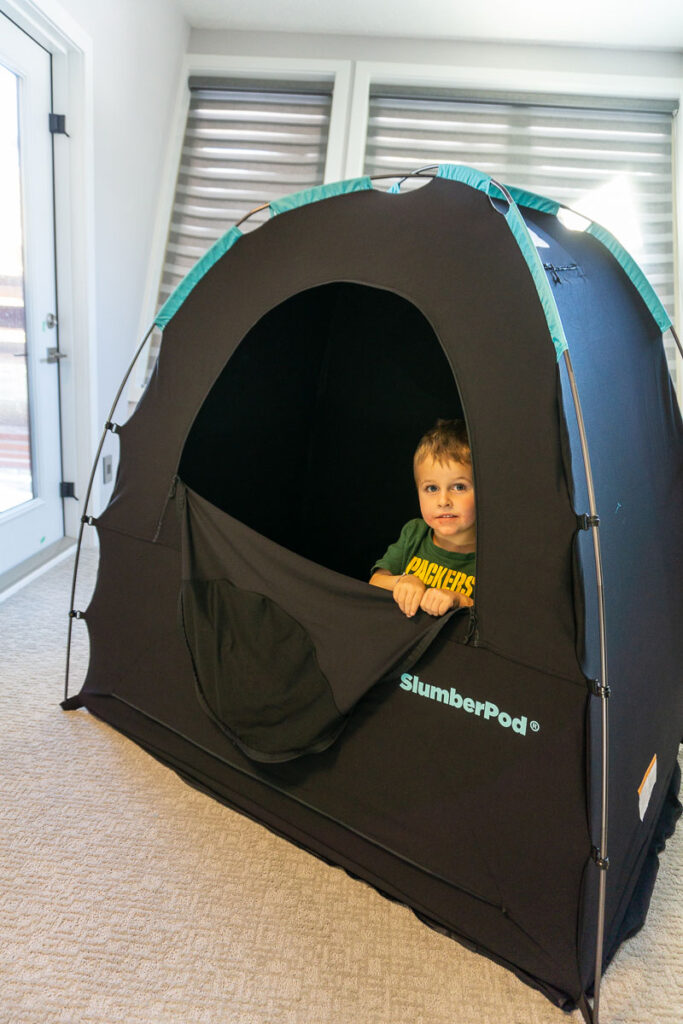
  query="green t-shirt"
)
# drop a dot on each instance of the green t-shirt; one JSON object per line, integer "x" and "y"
{"x": 416, "y": 553}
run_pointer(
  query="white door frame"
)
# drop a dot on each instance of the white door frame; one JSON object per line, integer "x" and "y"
{"x": 72, "y": 72}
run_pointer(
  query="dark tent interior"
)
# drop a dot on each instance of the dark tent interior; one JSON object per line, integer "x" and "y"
{"x": 332, "y": 389}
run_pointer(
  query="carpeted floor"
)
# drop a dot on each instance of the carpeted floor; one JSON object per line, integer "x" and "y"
{"x": 129, "y": 898}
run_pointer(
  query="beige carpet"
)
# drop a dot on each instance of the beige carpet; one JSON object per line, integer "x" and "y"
{"x": 129, "y": 897}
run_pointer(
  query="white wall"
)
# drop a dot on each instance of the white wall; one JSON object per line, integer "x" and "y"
{"x": 553, "y": 60}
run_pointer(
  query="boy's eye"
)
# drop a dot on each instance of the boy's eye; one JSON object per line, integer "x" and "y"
{"x": 459, "y": 487}
{"x": 430, "y": 488}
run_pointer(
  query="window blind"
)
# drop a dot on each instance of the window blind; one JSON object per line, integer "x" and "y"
{"x": 610, "y": 159}
{"x": 246, "y": 143}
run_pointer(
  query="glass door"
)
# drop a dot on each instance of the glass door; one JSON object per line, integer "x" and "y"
{"x": 31, "y": 512}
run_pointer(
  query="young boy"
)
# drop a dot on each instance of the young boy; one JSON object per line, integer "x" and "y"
{"x": 432, "y": 565}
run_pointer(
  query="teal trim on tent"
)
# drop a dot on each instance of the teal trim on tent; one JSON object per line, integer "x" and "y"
{"x": 625, "y": 261}
{"x": 635, "y": 275}
{"x": 477, "y": 180}
{"x": 520, "y": 231}
{"x": 515, "y": 221}
{"x": 467, "y": 175}
{"x": 533, "y": 200}
{"x": 211, "y": 256}
{"x": 312, "y": 195}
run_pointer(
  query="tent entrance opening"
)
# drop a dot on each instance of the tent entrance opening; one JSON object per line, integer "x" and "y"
{"x": 308, "y": 434}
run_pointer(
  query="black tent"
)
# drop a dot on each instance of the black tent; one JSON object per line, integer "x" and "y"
{"x": 460, "y": 766}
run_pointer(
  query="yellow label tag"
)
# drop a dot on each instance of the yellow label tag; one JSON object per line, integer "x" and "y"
{"x": 646, "y": 787}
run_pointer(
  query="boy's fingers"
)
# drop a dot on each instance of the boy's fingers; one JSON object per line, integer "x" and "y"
{"x": 408, "y": 597}
{"x": 402, "y": 596}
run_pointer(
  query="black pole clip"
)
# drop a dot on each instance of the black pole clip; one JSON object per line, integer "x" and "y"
{"x": 73, "y": 614}
{"x": 587, "y": 521}
{"x": 88, "y": 520}
{"x": 114, "y": 427}
{"x": 602, "y": 862}
{"x": 72, "y": 703}
{"x": 598, "y": 690}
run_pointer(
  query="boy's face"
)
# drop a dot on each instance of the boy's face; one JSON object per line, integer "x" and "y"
{"x": 446, "y": 494}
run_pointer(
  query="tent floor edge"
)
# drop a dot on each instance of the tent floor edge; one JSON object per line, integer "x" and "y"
{"x": 557, "y": 997}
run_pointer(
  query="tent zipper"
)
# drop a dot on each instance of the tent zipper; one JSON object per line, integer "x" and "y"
{"x": 169, "y": 497}
{"x": 472, "y": 634}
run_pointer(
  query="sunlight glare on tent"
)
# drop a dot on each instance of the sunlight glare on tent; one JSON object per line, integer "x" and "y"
{"x": 614, "y": 206}
{"x": 538, "y": 241}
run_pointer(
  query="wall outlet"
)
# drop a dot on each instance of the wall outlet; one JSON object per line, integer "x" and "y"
{"x": 107, "y": 469}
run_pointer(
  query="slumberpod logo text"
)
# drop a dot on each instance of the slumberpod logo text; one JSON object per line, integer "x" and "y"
{"x": 485, "y": 709}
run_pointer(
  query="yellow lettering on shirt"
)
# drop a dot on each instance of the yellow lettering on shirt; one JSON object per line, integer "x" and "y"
{"x": 430, "y": 574}
{"x": 434, "y": 575}
{"x": 439, "y": 576}
{"x": 458, "y": 581}
{"x": 422, "y": 569}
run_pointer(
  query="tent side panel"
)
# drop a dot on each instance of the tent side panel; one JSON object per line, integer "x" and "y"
{"x": 635, "y": 439}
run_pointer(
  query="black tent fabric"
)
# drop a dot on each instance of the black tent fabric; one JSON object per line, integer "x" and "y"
{"x": 268, "y": 634}
{"x": 452, "y": 764}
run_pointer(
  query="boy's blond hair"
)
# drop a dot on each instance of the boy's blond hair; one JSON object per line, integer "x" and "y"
{"x": 446, "y": 441}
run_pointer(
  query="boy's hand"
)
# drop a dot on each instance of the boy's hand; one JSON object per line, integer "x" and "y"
{"x": 438, "y": 602}
{"x": 408, "y": 592}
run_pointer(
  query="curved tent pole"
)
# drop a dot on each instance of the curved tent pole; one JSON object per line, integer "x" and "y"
{"x": 600, "y": 856}
{"x": 676, "y": 339}
{"x": 602, "y": 689}
{"x": 85, "y": 518}
{"x": 420, "y": 172}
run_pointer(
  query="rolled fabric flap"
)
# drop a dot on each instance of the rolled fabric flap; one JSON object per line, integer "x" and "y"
{"x": 283, "y": 648}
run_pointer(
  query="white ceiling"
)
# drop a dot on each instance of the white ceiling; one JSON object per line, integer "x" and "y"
{"x": 624, "y": 23}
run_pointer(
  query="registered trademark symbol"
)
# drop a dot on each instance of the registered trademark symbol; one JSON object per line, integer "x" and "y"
{"x": 534, "y": 726}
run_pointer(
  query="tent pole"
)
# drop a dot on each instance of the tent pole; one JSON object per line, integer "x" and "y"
{"x": 600, "y": 856}
{"x": 586, "y": 1011}
{"x": 88, "y": 519}
{"x": 676, "y": 339}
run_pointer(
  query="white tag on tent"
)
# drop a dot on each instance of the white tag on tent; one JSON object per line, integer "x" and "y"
{"x": 646, "y": 787}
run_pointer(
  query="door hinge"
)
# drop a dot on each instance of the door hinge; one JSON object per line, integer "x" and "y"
{"x": 57, "y": 124}
{"x": 53, "y": 355}
{"x": 67, "y": 489}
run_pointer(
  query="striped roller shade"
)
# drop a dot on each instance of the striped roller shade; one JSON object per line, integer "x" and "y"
{"x": 246, "y": 143}
{"x": 611, "y": 159}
